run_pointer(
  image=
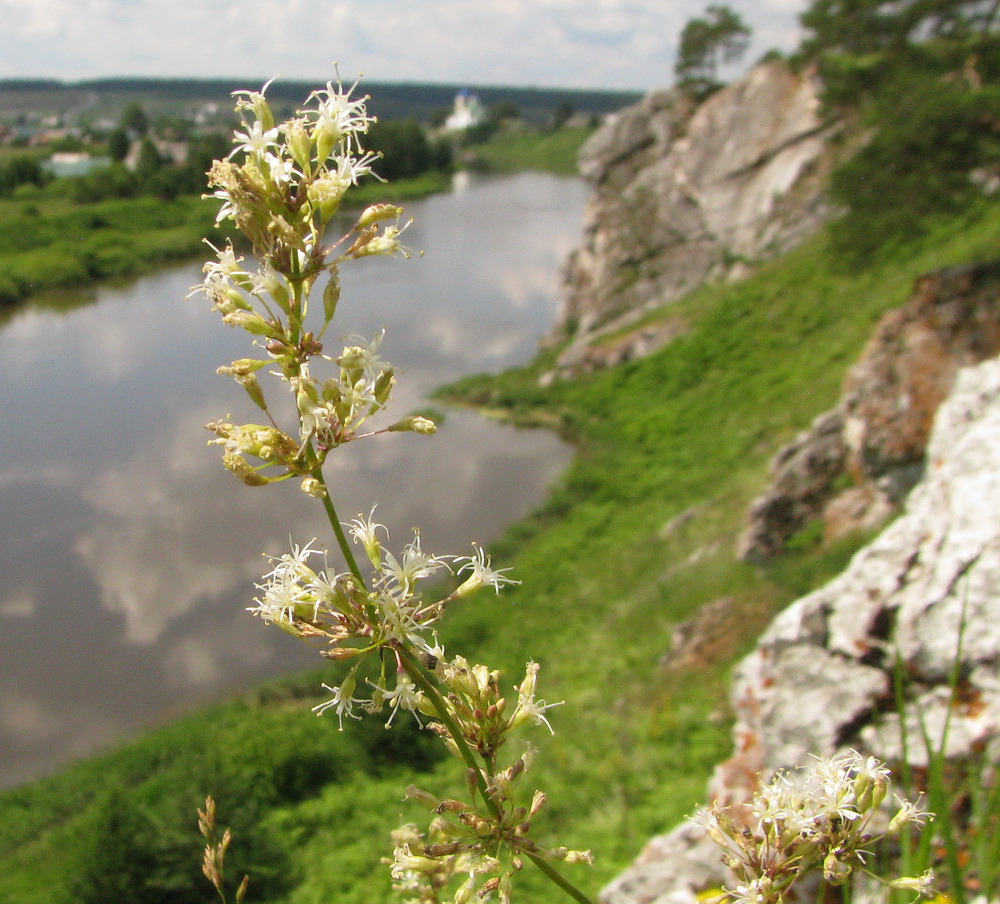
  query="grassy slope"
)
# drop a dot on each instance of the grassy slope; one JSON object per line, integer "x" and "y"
{"x": 691, "y": 426}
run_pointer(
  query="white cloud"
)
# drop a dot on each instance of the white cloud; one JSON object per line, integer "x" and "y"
{"x": 583, "y": 43}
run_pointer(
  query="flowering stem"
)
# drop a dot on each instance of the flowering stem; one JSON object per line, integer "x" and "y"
{"x": 420, "y": 678}
{"x": 558, "y": 879}
{"x": 331, "y": 514}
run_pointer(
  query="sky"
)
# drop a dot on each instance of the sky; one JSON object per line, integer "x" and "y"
{"x": 545, "y": 43}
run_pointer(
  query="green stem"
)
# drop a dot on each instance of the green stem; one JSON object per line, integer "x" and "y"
{"x": 559, "y": 879}
{"x": 338, "y": 530}
{"x": 420, "y": 678}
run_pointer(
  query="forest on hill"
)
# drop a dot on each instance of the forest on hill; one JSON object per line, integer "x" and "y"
{"x": 390, "y": 100}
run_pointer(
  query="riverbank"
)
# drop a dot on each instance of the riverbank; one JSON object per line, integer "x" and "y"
{"x": 49, "y": 241}
{"x": 549, "y": 152}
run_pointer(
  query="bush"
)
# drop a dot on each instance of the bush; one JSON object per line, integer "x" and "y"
{"x": 115, "y": 181}
{"x": 918, "y": 164}
{"x": 404, "y": 148}
{"x": 18, "y": 171}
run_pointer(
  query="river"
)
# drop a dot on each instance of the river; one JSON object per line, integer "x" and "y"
{"x": 128, "y": 554}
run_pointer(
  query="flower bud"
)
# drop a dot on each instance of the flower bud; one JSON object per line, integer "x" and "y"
{"x": 834, "y": 871}
{"x": 414, "y": 424}
{"x": 299, "y": 144}
{"x": 537, "y": 802}
{"x": 376, "y": 213}
{"x": 421, "y": 797}
{"x": 242, "y": 367}
{"x": 324, "y": 138}
{"x": 465, "y": 891}
{"x": 252, "y": 386}
{"x": 251, "y": 322}
{"x": 331, "y": 295}
{"x": 338, "y": 654}
{"x": 312, "y": 487}
{"x": 241, "y": 468}
{"x": 471, "y": 782}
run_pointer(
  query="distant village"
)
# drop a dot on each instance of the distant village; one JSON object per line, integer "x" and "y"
{"x": 69, "y": 145}
{"x": 77, "y": 144}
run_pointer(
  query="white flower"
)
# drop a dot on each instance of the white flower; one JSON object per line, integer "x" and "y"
{"x": 336, "y": 115}
{"x": 364, "y": 356}
{"x": 751, "y": 893}
{"x": 387, "y": 243}
{"x": 315, "y": 416}
{"x": 481, "y": 574}
{"x": 287, "y": 587}
{"x": 528, "y": 708}
{"x": 255, "y": 140}
{"x": 397, "y": 618}
{"x": 254, "y": 100}
{"x": 404, "y": 696}
{"x": 342, "y": 701}
{"x": 909, "y": 812}
{"x": 404, "y": 862}
{"x": 329, "y": 186}
{"x": 416, "y": 564}
{"x": 923, "y": 885}
{"x": 365, "y": 531}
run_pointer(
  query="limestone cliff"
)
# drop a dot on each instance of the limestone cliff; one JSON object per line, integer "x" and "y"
{"x": 821, "y": 677}
{"x": 686, "y": 192}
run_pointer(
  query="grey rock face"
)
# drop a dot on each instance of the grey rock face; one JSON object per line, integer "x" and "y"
{"x": 877, "y": 435}
{"x": 685, "y": 193}
{"x": 821, "y": 676}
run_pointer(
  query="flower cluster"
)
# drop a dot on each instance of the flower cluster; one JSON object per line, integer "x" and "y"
{"x": 822, "y": 818}
{"x": 481, "y": 850}
{"x": 483, "y": 841}
{"x": 354, "y": 618}
{"x": 282, "y": 190}
{"x": 385, "y": 615}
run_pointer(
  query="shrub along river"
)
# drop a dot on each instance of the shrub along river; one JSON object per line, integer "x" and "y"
{"x": 128, "y": 554}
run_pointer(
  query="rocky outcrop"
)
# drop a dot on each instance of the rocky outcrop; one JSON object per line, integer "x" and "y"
{"x": 821, "y": 677}
{"x": 874, "y": 440}
{"x": 686, "y": 192}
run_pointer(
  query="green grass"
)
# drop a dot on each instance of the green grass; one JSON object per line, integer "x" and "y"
{"x": 50, "y": 242}
{"x": 690, "y": 428}
{"x": 552, "y": 152}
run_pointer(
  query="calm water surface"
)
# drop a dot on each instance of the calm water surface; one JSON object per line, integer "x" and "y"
{"x": 128, "y": 554}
